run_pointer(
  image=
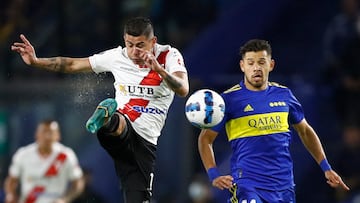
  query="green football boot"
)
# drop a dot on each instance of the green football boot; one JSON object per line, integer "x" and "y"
{"x": 104, "y": 110}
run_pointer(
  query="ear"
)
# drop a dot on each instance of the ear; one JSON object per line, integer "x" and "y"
{"x": 241, "y": 64}
{"x": 57, "y": 136}
{"x": 154, "y": 40}
{"x": 272, "y": 65}
{"x": 37, "y": 134}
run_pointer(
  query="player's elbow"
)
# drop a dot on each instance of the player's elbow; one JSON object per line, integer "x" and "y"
{"x": 78, "y": 186}
{"x": 205, "y": 137}
{"x": 71, "y": 68}
{"x": 75, "y": 65}
{"x": 183, "y": 92}
{"x": 203, "y": 140}
{"x": 68, "y": 70}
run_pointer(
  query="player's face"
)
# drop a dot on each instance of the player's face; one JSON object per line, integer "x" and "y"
{"x": 133, "y": 43}
{"x": 256, "y": 67}
{"x": 46, "y": 135}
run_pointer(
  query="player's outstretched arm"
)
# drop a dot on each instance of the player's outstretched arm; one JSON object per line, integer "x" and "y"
{"x": 313, "y": 144}
{"x": 205, "y": 141}
{"x": 178, "y": 82}
{"x": 56, "y": 64}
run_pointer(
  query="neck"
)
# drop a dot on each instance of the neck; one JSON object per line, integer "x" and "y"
{"x": 45, "y": 151}
{"x": 255, "y": 88}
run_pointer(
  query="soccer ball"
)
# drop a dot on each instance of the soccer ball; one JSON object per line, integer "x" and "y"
{"x": 205, "y": 108}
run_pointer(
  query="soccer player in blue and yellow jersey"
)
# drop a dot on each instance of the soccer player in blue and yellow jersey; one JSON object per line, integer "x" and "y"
{"x": 257, "y": 118}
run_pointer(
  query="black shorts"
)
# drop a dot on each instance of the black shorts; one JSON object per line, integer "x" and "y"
{"x": 133, "y": 156}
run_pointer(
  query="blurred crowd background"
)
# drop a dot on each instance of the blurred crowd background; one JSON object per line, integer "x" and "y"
{"x": 316, "y": 46}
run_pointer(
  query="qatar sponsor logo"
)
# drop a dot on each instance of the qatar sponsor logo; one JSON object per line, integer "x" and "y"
{"x": 266, "y": 123}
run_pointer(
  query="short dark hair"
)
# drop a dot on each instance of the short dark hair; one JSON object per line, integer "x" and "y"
{"x": 50, "y": 122}
{"x": 139, "y": 26}
{"x": 47, "y": 121}
{"x": 255, "y": 45}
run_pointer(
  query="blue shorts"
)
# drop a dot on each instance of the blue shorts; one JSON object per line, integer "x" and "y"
{"x": 255, "y": 195}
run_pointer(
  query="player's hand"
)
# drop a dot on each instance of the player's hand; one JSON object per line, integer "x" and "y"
{"x": 60, "y": 201}
{"x": 10, "y": 198}
{"x": 25, "y": 49}
{"x": 223, "y": 182}
{"x": 334, "y": 180}
{"x": 149, "y": 59}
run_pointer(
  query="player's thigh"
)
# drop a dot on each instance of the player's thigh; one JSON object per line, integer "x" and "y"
{"x": 244, "y": 195}
{"x": 288, "y": 195}
{"x": 247, "y": 197}
{"x": 123, "y": 125}
{"x": 117, "y": 145}
{"x": 281, "y": 196}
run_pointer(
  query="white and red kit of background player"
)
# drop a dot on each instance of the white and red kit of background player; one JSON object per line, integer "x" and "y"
{"x": 141, "y": 94}
{"x": 44, "y": 179}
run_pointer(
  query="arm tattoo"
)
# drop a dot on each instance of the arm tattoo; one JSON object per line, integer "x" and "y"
{"x": 56, "y": 64}
{"x": 172, "y": 82}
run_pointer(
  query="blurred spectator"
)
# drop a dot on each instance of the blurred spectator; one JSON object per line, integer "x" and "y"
{"x": 12, "y": 19}
{"x": 200, "y": 190}
{"x": 348, "y": 165}
{"x": 181, "y": 22}
{"x": 43, "y": 169}
{"x": 341, "y": 49}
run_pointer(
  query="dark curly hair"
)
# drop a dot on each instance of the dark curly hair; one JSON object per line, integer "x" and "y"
{"x": 255, "y": 45}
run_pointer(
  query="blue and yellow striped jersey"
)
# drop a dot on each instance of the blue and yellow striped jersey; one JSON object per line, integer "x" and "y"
{"x": 257, "y": 126}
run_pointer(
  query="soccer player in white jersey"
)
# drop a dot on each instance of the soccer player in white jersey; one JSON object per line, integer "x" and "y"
{"x": 147, "y": 76}
{"x": 44, "y": 169}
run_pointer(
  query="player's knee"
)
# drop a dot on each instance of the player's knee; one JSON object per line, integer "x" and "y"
{"x": 122, "y": 124}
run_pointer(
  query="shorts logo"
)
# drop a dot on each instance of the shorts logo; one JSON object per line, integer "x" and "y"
{"x": 250, "y": 201}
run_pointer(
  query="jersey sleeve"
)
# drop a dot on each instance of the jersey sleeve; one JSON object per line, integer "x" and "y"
{"x": 221, "y": 126}
{"x": 74, "y": 169}
{"x": 296, "y": 113}
{"x": 15, "y": 166}
{"x": 102, "y": 61}
{"x": 175, "y": 61}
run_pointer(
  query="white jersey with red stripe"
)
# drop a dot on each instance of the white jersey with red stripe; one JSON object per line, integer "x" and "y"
{"x": 44, "y": 179}
{"x": 142, "y": 95}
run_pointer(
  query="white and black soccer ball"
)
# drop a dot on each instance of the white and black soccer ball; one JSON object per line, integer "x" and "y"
{"x": 205, "y": 108}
